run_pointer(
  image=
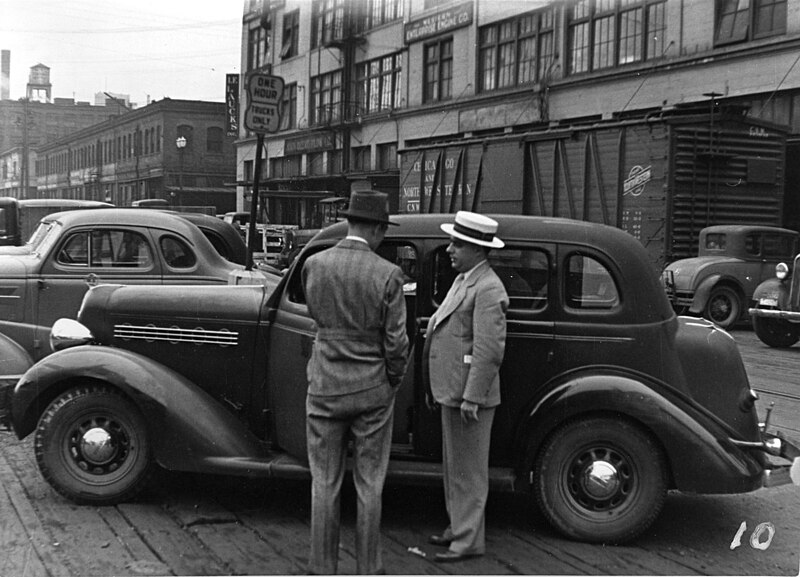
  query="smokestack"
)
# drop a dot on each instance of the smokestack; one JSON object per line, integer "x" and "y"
{"x": 5, "y": 74}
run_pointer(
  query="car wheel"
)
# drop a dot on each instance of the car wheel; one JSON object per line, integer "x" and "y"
{"x": 775, "y": 333}
{"x": 600, "y": 480}
{"x": 723, "y": 307}
{"x": 91, "y": 445}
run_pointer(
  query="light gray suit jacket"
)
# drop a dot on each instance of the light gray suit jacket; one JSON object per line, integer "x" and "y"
{"x": 465, "y": 342}
{"x": 356, "y": 299}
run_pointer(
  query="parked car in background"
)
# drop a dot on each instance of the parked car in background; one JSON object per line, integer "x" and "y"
{"x": 72, "y": 251}
{"x": 775, "y": 312}
{"x": 608, "y": 398}
{"x": 732, "y": 260}
{"x": 20, "y": 217}
{"x": 224, "y": 237}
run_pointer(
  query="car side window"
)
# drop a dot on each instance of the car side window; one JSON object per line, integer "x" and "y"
{"x": 778, "y": 246}
{"x": 119, "y": 249}
{"x": 404, "y": 256}
{"x": 75, "y": 251}
{"x": 715, "y": 241}
{"x": 589, "y": 284}
{"x": 177, "y": 253}
{"x": 752, "y": 244}
{"x": 523, "y": 272}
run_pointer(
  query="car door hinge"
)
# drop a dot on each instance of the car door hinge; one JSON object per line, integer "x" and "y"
{"x": 41, "y": 284}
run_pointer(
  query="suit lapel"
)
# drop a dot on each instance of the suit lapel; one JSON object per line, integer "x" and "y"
{"x": 451, "y": 304}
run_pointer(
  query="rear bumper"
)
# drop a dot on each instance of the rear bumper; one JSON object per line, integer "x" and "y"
{"x": 777, "y": 474}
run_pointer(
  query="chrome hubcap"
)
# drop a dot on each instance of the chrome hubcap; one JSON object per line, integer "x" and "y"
{"x": 97, "y": 446}
{"x": 601, "y": 480}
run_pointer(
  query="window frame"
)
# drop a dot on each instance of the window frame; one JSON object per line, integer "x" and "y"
{"x": 290, "y": 30}
{"x": 379, "y": 83}
{"x": 440, "y": 65}
{"x": 600, "y": 37}
{"x": 326, "y": 93}
{"x": 735, "y": 24}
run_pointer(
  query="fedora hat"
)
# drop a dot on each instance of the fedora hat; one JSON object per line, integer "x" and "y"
{"x": 369, "y": 206}
{"x": 475, "y": 229}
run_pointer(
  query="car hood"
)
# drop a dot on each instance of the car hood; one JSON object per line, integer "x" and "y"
{"x": 16, "y": 266}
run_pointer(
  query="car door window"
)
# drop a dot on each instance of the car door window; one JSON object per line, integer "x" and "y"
{"x": 778, "y": 246}
{"x": 75, "y": 251}
{"x": 177, "y": 253}
{"x": 524, "y": 273}
{"x": 752, "y": 244}
{"x": 589, "y": 284}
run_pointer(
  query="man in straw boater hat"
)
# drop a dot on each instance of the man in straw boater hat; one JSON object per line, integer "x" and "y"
{"x": 464, "y": 347}
{"x": 357, "y": 363}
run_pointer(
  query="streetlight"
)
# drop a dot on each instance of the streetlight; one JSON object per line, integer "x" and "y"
{"x": 180, "y": 143}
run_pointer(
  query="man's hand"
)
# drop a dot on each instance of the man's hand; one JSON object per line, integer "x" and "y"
{"x": 469, "y": 411}
{"x": 430, "y": 402}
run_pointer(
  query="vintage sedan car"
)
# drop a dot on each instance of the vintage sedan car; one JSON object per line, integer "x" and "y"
{"x": 775, "y": 311}
{"x": 609, "y": 398}
{"x": 732, "y": 260}
{"x": 72, "y": 251}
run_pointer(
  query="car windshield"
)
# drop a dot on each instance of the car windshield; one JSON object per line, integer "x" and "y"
{"x": 43, "y": 237}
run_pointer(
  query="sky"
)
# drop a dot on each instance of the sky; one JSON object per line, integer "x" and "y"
{"x": 148, "y": 49}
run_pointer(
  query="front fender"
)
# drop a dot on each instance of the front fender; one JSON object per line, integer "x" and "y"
{"x": 14, "y": 361}
{"x": 774, "y": 288}
{"x": 701, "y": 457}
{"x": 188, "y": 428}
{"x": 703, "y": 292}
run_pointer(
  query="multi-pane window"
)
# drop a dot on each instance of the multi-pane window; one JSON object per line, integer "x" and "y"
{"x": 378, "y": 12}
{"x": 326, "y": 98}
{"x": 438, "y": 81}
{"x": 289, "y": 107}
{"x": 607, "y": 33}
{"x": 256, "y": 48}
{"x": 742, "y": 20}
{"x": 516, "y": 51}
{"x": 327, "y": 22}
{"x": 379, "y": 83}
{"x": 291, "y": 30}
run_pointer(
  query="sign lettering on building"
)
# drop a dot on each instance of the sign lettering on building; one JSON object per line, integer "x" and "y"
{"x": 438, "y": 23}
{"x": 232, "y": 104}
{"x": 309, "y": 143}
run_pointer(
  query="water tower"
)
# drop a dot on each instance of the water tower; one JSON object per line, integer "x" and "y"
{"x": 39, "y": 82}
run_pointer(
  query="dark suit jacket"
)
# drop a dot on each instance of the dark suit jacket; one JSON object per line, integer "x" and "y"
{"x": 356, "y": 299}
{"x": 465, "y": 342}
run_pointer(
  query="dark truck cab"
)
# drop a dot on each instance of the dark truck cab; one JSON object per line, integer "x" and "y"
{"x": 609, "y": 399}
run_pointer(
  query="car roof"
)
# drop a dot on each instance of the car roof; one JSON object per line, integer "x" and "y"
{"x": 511, "y": 228}
{"x": 745, "y": 228}
{"x": 151, "y": 218}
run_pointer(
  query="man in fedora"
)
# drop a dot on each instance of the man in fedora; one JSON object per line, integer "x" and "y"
{"x": 464, "y": 346}
{"x": 357, "y": 362}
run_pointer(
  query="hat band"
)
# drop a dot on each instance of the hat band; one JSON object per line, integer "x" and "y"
{"x": 472, "y": 233}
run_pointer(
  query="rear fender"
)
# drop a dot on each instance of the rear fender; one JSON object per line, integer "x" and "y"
{"x": 700, "y": 456}
{"x": 188, "y": 428}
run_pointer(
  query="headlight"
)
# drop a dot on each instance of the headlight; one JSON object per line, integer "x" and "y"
{"x": 781, "y": 270}
{"x": 67, "y": 333}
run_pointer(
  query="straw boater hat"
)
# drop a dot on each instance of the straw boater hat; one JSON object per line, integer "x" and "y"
{"x": 369, "y": 206}
{"x": 474, "y": 228}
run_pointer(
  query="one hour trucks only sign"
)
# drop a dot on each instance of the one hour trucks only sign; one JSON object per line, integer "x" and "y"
{"x": 264, "y": 94}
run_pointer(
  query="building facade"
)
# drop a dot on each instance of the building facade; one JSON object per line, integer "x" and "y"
{"x": 446, "y": 105}
{"x": 26, "y": 124}
{"x": 175, "y": 150}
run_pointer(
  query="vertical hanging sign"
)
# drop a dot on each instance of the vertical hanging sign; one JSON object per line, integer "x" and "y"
{"x": 232, "y": 104}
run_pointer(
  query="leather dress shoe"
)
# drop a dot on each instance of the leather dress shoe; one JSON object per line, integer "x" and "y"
{"x": 439, "y": 540}
{"x": 452, "y": 556}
